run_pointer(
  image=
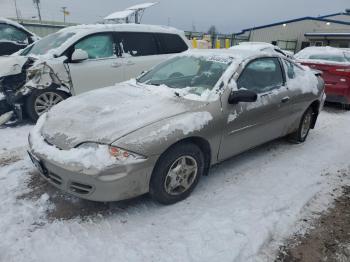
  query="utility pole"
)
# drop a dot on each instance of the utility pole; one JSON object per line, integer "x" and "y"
{"x": 65, "y": 13}
{"x": 17, "y": 15}
{"x": 37, "y": 3}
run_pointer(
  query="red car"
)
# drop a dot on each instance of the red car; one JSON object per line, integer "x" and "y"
{"x": 335, "y": 66}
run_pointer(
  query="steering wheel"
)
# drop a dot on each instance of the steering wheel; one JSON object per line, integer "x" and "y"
{"x": 176, "y": 75}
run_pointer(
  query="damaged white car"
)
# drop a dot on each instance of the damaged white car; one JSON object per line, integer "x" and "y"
{"x": 78, "y": 59}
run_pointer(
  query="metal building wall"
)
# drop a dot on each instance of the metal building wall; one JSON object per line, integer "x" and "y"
{"x": 293, "y": 31}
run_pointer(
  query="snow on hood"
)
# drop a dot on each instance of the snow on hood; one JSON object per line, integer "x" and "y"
{"x": 108, "y": 114}
{"x": 11, "y": 65}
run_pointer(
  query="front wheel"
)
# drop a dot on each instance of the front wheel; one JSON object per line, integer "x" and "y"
{"x": 41, "y": 101}
{"x": 177, "y": 173}
{"x": 304, "y": 127}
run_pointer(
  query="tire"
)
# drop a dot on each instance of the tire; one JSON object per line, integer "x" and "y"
{"x": 304, "y": 127}
{"x": 168, "y": 187}
{"x": 35, "y": 101}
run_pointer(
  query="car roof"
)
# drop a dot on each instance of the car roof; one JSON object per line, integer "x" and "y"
{"x": 260, "y": 46}
{"x": 91, "y": 28}
{"x": 237, "y": 53}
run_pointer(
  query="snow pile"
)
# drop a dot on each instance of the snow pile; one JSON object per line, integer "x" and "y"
{"x": 87, "y": 157}
{"x": 13, "y": 139}
{"x": 306, "y": 81}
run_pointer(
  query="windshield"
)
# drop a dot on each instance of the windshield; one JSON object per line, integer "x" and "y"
{"x": 197, "y": 73}
{"x": 48, "y": 43}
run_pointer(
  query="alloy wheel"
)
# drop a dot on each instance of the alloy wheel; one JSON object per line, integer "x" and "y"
{"x": 45, "y": 101}
{"x": 181, "y": 175}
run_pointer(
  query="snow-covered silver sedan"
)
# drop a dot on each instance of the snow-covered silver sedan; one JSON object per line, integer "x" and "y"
{"x": 161, "y": 132}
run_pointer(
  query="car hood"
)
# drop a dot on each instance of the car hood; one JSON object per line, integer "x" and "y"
{"x": 108, "y": 114}
{"x": 11, "y": 65}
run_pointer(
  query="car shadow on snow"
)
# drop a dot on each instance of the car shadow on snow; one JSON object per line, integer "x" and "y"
{"x": 335, "y": 108}
{"x": 67, "y": 207}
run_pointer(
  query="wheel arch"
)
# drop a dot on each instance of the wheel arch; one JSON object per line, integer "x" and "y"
{"x": 203, "y": 145}
{"x": 315, "y": 106}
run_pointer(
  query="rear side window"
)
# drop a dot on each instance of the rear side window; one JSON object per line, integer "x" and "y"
{"x": 292, "y": 69}
{"x": 261, "y": 75}
{"x": 171, "y": 43}
{"x": 138, "y": 44}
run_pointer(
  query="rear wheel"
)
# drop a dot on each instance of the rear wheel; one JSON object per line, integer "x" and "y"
{"x": 177, "y": 173}
{"x": 41, "y": 101}
{"x": 304, "y": 127}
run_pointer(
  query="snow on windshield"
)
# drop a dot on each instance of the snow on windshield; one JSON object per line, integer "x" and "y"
{"x": 192, "y": 75}
{"x": 48, "y": 44}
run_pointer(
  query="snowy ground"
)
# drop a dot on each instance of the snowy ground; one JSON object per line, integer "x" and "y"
{"x": 240, "y": 212}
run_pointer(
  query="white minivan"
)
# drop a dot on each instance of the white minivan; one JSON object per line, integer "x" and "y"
{"x": 81, "y": 58}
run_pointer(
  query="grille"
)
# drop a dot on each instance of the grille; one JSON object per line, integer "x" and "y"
{"x": 80, "y": 188}
{"x": 55, "y": 179}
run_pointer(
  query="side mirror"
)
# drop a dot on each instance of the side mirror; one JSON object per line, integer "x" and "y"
{"x": 242, "y": 95}
{"x": 79, "y": 55}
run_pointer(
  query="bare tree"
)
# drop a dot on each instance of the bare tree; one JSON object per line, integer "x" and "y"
{"x": 212, "y": 30}
{"x": 37, "y": 5}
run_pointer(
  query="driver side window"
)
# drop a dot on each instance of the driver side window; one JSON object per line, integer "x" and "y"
{"x": 261, "y": 75}
{"x": 97, "y": 46}
{"x": 10, "y": 33}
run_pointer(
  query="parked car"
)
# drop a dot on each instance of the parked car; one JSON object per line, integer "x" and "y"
{"x": 81, "y": 58}
{"x": 335, "y": 66}
{"x": 161, "y": 132}
{"x": 14, "y": 37}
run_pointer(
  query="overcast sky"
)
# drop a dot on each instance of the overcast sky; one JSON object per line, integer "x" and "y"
{"x": 229, "y": 16}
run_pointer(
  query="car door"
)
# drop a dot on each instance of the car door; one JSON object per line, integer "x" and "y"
{"x": 102, "y": 68}
{"x": 299, "y": 100}
{"x": 12, "y": 39}
{"x": 140, "y": 52}
{"x": 254, "y": 123}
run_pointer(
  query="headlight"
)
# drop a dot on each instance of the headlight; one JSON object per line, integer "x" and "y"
{"x": 122, "y": 154}
{"x": 115, "y": 152}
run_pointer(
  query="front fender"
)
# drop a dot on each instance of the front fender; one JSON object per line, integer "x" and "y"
{"x": 157, "y": 138}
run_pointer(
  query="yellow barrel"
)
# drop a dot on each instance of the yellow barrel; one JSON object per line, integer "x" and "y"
{"x": 227, "y": 43}
{"x": 194, "y": 43}
{"x": 218, "y": 44}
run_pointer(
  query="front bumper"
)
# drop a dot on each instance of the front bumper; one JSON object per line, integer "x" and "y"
{"x": 117, "y": 183}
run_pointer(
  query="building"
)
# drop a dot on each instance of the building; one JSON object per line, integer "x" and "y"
{"x": 296, "y": 34}
{"x": 44, "y": 28}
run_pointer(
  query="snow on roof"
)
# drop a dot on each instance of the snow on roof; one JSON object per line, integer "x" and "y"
{"x": 141, "y": 6}
{"x": 87, "y": 28}
{"x": 259, "y": 47}
{"x": 321, "y": 51}
{"x": 120, "y": 15}
{"x": 239, "y": 54}
{"x": 315, "y": 50}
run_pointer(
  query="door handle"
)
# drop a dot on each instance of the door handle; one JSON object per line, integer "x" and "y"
{"x": 116, "y": 64}
{"x": 285, "y": 99}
